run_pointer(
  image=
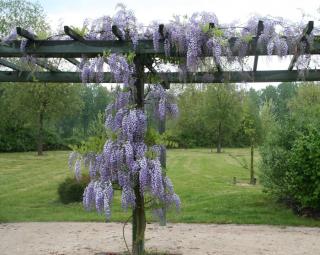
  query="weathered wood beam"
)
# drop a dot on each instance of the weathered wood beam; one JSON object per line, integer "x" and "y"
{"x": 7, "y": 63}
{"x": 93, "y": 48}
{"x": 117, "y": 32}
{"x": 255, "y": 45}
{"x": 73, "y": 34}
{"x": 26, "y": 34}
{"x": 306, "y": 31}
{"x": 73, "y": 61}
{"x": 202, "y": 77}
{"x": 32, "y": 37}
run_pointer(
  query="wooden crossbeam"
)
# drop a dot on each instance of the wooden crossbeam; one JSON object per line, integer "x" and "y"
{"x": 73, "y": 34}
{"x": 117, "y": 32}
{"x": 32, "y": 37}
{"x": 256, "y": 56}
{"x": 26, "y": 34}
{"x": 93, "y": 48}
{"x": 7, "y": 63}
{"x": 306, "y": 31}
{"x": 202, "y": 77}
{"x": 73, "y": 61}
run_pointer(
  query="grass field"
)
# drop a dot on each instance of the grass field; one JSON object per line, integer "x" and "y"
{"x": 204, "y": 181}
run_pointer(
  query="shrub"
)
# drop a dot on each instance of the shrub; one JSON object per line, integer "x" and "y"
{"x": 290, "y": 166}
{"x": 71, "y": 190}
{"x": 303, "y": 175}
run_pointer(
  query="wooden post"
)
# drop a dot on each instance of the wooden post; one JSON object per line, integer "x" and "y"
{"x": 163, "y": 159}
{"x": 252, "y": 179}
{"x": 138, "y": 213}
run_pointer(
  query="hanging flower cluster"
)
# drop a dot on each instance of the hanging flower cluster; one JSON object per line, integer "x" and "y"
{"x": 126, "y": 159}
{"x": 164, "y": 103}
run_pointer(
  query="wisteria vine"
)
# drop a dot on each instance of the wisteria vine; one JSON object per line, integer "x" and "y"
{"x": 126, "y": 160}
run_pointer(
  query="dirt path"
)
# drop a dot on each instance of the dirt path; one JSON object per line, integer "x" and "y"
{"x": 90, "y": 238}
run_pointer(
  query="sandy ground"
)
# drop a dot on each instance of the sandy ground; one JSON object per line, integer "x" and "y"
{"x": 90, "y": 238}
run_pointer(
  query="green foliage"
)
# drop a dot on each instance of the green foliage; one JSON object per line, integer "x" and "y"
{"x": 303, "y": 175}
{"x": 130, "y": 57}
{"x": 22, "y": 13}
{"x": 70, "y": 190}
{"x": 154, "y": 137}
{"x": 221, "y": 111}
{"x": 212, "y": 31}
{"x": 251, "y": 120}
{"x": 69, "y": 111}
{"x": 290, "y": 153}
{"x": 81, "y": 31}
{"x": 96, "y": 140}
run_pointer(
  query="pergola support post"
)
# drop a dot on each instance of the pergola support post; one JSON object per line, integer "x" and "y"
{"x": 163, "y": 159}
{"x": 138, "y": 212}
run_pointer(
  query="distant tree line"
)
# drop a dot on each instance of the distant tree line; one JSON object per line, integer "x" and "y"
{"x": 227, "y": 115}
{"x": 49, "y": 115}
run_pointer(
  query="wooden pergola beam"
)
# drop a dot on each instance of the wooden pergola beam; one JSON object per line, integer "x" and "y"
{"x": 73, "y": 61}
{"x": 173, "y": 77}
{"x": 26, "y": 34}
{"x": 32, "y": 37}
{"x": 306, "y": 31}
{"x": 73, "y": 34}
{"x": 117, "y": 32}
{"x": 93, "y": 48}
{"x": 256, "y": 56}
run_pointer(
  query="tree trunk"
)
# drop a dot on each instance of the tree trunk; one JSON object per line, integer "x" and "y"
{"x": 219, "y": 138}
{"x": 40, "y": 134}
{"x": 138, "y": 213}
{"x": 138, "y": 224}
{"x": 163, "y": 159}
{"x": 252, "y": 179}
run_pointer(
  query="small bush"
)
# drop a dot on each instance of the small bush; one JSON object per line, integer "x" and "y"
{"x": 71, "y": 190}
{"x": 290, "y": 168}
{"x": 303, "y": 177}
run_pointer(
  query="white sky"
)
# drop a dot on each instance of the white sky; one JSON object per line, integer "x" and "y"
{"x": 63, "y": 12}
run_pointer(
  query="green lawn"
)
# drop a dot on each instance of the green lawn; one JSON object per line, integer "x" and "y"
{"x": 28, "y": 190}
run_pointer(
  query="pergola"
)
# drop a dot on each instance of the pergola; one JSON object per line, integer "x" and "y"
{"x": 76, "y": 46}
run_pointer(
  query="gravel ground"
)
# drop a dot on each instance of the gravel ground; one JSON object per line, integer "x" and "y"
{"x": 68, "y": 238}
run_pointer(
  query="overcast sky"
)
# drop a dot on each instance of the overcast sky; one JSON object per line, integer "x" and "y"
{"x": 64, "y": 12}
{"x": 73, "y": 12}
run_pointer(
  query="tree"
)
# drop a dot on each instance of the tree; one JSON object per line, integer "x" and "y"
{"x": 222, "y": 114}
{"x": 23, "y": 13}
{"x": 40, "y": 102}
{"x": 252, "y": 125}
{"x": 95, "y": 98}
{"x": 43, "y": 103}
{"x": 190, "y": 128}
{"x": 290, "y": 155}
{"x": 280, "y": 96}
{"x": 130, "y": 158}
{"x": 305, "y": 107}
